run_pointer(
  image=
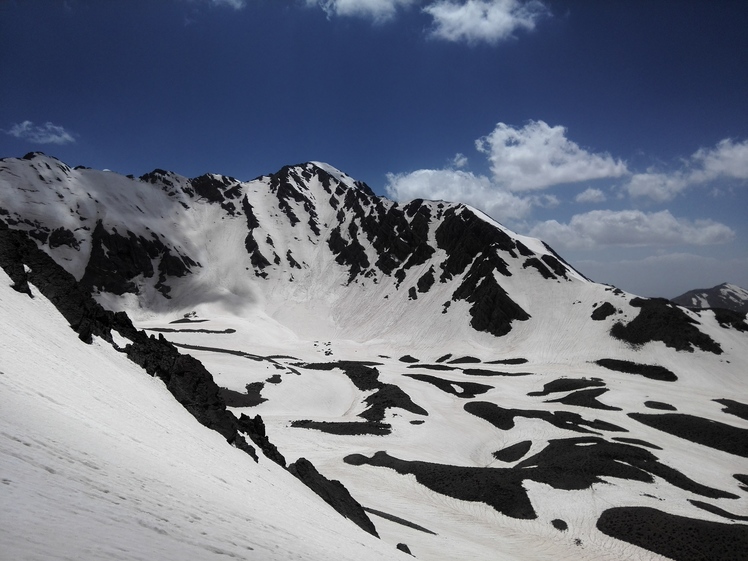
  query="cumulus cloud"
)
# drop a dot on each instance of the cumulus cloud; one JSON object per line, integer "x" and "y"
{"x": 48, "y": 133}
{"x": 478, "y": 21}
{"x": 378, "y": 10}
{"x": 727, "y": 160}
{"x": 630, "y": 228}
{"x": 590, "y": 195}
{"x": 462, "y": 186}
{"x": 538, "y": 156}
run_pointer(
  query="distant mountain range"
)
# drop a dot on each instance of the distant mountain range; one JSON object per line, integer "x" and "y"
{"x": 446, "y": 385}
{"x": 726, "y": 296}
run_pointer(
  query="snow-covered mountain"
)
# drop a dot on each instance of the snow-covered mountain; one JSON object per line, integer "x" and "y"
{"x": 477, "y": 396}
{"x": 725, "y": 295}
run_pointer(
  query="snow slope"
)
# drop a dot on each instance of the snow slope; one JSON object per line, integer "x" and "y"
{"x": 98, "y": 461}
{"x": 477, "y": 395}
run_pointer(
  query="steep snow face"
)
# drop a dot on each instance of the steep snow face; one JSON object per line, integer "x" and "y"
{"x": 98, "y": 461}
{"x": 725, "y": 295}
{"x": 308, "y": 248}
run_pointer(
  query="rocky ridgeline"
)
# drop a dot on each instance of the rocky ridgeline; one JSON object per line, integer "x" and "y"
{"x": 184, "y": 376}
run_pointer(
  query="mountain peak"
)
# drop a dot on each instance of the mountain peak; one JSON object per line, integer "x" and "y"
{"x": 726, "y": 296}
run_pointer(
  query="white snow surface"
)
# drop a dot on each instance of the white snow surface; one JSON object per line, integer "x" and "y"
{"x": 99, "y": 462}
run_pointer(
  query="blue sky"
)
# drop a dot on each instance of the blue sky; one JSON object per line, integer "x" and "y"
{"x": 617, "y": 131}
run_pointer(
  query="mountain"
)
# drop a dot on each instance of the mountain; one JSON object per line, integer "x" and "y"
{"x": 725, "y": 296}
{"x": 473, "y": 394}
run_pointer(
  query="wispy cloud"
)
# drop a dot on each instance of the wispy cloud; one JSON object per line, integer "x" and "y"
{"x": 483, "y": 21}
{"x": 538, "y": 156}
{"x": 48, "y": 133}
{"x": 631, "y": 228}
{"x": 377, "y": 10}
{"x": 727, "y": 160}
{"x": 591, "y": 195}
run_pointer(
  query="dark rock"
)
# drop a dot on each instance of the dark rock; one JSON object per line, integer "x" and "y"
{"x": 586, "y": 398}
{"x": 733, "y": 407}
{"x": 482, "y": 372}
{"x": 256, "y": 258}
{"x": 466, "y": 389}
{"x": 718, "y": 511}
{"x": 713, "y": 434}
{"x": 184, "y": 376}
{"x": 554, "y": 264}
{"x": 404, "y": 548}
{"x": 651, "y": 371}
{"x": 508, "y": 361}
{"x": 408, "y": 358}
{"x": 677, "y": 537}
{"x": 659, "y": 405}
{"x": 605, "y": 310}
{"x": 659, "y": 320}
{"x": 560, "y": 525}
{"x": 345, "y": 428}
{"x": 465, "y": 360}
{"x": 567, "y": 385}
{"x": 386, "y": 397}
{"x": 495, "y": 487}
{"x": 366, "y": 378}
{"x": 503, "y": 419}
{"x": 254, "y": 428}
{"x": 398, "y": 520}
{"x": 333, "y": 493}
{"x": 62, "y": 236}
{"x": 537, "y": 264}
{"x": 426, "y": 281}
{"x": 636, "y": 441}
{"x": 514, "y": 452}
{"x": 250, "y": 398}
{"x": 731, "y": 318}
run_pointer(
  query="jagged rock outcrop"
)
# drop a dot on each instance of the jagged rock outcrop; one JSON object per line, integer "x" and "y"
{"x": 333, "y": 493}
{"x": 185, "y": 377}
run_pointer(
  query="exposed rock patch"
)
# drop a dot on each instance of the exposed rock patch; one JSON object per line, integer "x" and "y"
{"x": 677, "y": 537}
{"x": 713, "y": 434}
{"x": 333, "y": 493}
{"x": 659, "y": 320}
{"x": 651, "y": 371}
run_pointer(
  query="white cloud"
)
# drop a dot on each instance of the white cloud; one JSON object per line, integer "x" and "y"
{"x": 590, "y": 195}
{"x": 659, "y": 187}
{"x": 727, "y": 160}
{"x": 477, "y": 21}
{"x": 47, "y": 133}
{"x": 459, "y": 161}
{"x": 378, "y": 10}
{"x": 538, "y": 156}
{"x": 630, "y": 228}
{"x": 236, "y": 4}
{"x": 462, "y": 186}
